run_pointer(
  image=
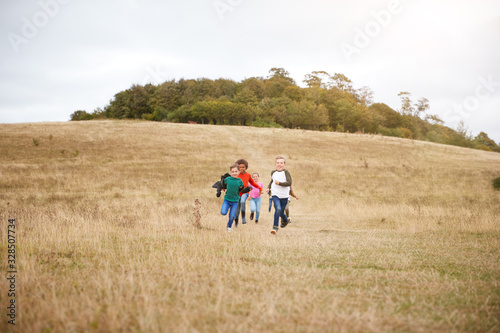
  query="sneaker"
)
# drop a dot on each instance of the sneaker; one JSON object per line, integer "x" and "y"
{"x": 273, "y": 232}
{"x": 244, "y": 221}
{"x": 256, "y": 221}
{"x": 285, "y": 223}
{"x": 251, "y": 216}
{"x": 229, "y": 229}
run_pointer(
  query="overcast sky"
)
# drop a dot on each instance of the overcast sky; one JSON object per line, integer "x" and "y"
{"x": 59, "y": 56}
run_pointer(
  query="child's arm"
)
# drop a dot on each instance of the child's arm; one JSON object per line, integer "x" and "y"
{"x": 288, "y": 181}
{"x": 270, "y": 183}
{"x": 254, "y": 184}
{"x": 242, "y": 186}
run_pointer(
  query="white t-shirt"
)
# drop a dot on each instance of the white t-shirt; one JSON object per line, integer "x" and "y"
{"x": 281, "y": 192}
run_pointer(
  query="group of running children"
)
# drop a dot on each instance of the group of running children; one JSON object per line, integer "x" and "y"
{"x": 239, "y": 185}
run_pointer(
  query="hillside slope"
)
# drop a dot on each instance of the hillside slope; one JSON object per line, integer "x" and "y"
{"x": 388, "y": 234}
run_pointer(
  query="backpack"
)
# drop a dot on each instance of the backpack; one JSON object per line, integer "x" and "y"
{"x": 219, "y": 185}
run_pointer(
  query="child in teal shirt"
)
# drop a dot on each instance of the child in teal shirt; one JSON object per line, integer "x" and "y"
{"x": 234, "y": 186}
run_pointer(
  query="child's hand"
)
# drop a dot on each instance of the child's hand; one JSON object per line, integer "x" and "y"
{"x": 276, "y": 182}
{"x": 267, "y": 190}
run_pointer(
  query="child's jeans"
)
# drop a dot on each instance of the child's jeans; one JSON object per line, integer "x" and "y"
{"x": 279, "y": 206}
{"x": 255, "y": 207}
{"x": 231, "y": 206}
{"x": 242, "y": 205}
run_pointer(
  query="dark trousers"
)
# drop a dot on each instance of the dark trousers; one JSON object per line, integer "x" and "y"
{"x": 279, "y": 210}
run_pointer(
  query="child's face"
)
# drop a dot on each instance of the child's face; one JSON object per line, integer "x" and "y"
{"x": 255, "y": 177}
{"x": 280, "y": 164}
{"x": 243, "y": 168}
{"x": 234, "y": 172}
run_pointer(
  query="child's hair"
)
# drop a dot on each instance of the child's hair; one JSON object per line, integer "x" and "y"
{"x": 234, "y": 166}
{"x": 242, "y": 161}
{"x": 255, "y": 173}
{"x": 280, "y": 157}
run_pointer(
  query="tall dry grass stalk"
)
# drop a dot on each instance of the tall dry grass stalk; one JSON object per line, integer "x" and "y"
{"x": 197, "y": 214}
{"x": 388, "y": 234}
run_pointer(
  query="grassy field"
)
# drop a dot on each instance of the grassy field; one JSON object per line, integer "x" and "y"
{"x": 389, "y": 235}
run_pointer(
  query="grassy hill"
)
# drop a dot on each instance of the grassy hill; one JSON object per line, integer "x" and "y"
{"x": 387, "y": 235}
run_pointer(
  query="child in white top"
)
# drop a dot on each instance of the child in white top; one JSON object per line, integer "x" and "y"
{"x": 280, "y": 184}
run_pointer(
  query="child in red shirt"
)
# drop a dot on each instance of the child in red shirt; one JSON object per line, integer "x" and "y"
{"x": 246, "y": 178}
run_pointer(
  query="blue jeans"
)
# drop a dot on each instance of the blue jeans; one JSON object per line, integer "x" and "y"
{"x": 242, "y": 205}
{"x": 231, "y": 207}
{"x": 279, "y": 210}
{"x": 255, "y": 207}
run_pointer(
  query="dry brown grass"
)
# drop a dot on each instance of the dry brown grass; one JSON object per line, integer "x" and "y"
{"x": 389, "y": 235}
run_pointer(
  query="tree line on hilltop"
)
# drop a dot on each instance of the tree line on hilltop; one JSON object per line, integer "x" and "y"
{"x": 327, "y": 103}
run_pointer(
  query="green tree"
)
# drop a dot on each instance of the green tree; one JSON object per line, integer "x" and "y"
{"x": 119, "y": 107}
{"x": 278, "y": 80}
{"x": 280, "y": 74}
{"x": 367, "y": 122}
{"x": 181, "y": 115}
{"x": 460, "y": 136}
{"x": 255, "y": 84}
{"x": 295, "y": 93}
{"x": 207, "y": 89}
{"x": 327, "y": 98}
{"x": 340, "y": 81}
{"x": 316, "y": 79}
{"x": 365, "y": 95}
{"x": 81, "y": 115}
{"x": 246, "y": 96}
{"x": 188, "y": 94}
{"x": 274, "y": 109}
{"x": 99, "y": 113}
{"x": 407, "y": 108}
{"x": 421, "y": 107}
{"x": 482, "y": 141}
{"x": 139, "y": 102}
{"x": 227, "y": 87}
{"x": 318, "y": 117}
{"x": 166, "y": 96}
{"x": 131, "y": 103}
{"x": 347, "y": 114}
{"x": 434, "y": 119}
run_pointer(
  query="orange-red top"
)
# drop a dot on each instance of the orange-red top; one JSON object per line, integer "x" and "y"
{"x": 247, "y": 178}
